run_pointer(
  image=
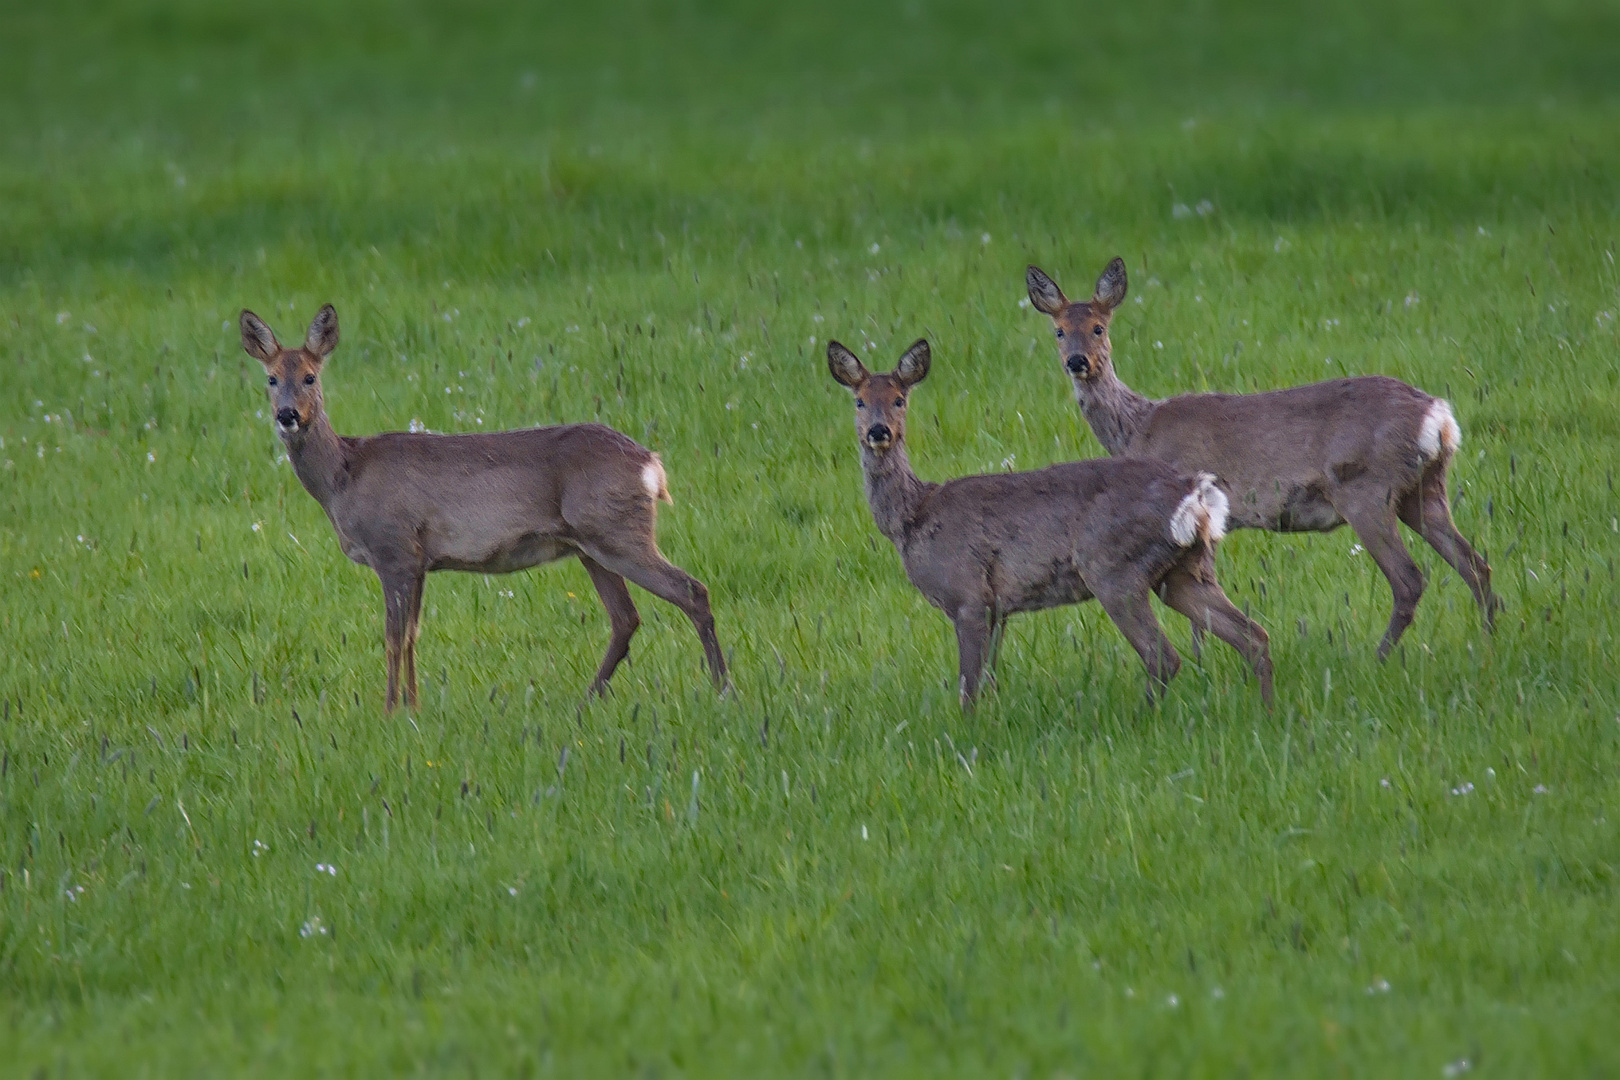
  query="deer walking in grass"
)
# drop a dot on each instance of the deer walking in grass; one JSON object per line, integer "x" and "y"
{"x": 1368, "y": 451}
{"x": 490, "y": 502}
{"x": 980, "y": 548}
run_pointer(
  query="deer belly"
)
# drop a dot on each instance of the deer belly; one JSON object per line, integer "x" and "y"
{"x": 1058, "y": 585}
{"x": 519, "y": 553}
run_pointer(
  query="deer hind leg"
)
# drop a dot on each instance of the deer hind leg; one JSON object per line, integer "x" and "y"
{"x": 1207, "y": 607}
{"x": 1427, "y": 512}
{"x": 974, "y": 632}
{"x": 402, "y": 590}
{"x": 1132, "y": 613}
{"x": 1373, "y": 520}
{"x": 649, "y": 569}
{"x": 621, "y": 613}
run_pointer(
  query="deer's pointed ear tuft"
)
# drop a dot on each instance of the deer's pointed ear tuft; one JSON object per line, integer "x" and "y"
{"x": 1044, "y": 292}
{"x": 913, "y": 366}
{"x": 1110, "y": 286}
{"x": 323, "y": 333}
{"x": 845, "y": 366}
{"x": 257, "y": 339}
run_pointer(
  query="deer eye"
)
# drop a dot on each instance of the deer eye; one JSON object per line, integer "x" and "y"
{"x": 272, "y": 380}
{"x": 899, "y": 403}
{"x": 1097, "y": 330}
{"x": 1060, "y": 332}
{"x": 859, "y": 404}
{"x": 309, "y": 380}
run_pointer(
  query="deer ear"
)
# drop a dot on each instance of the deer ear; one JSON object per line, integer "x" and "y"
{"x": 323, "y": 333}
{"x": 845, "y": 366}
{"x": 1111, "y": 286}
{"x": 257, "y": 339}
{"x": 1044, "y": 292}
{"x": 913, "y": 366}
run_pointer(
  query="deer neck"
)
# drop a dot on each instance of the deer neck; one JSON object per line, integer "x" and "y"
{"x": 1114, "y": 411}
{"x": 319, "y": 458}
{"x": 892, "y": 490}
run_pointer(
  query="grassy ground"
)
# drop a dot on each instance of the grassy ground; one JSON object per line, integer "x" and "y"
{"x": 217, "y": 856}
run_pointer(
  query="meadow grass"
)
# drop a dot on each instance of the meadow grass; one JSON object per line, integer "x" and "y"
{"x": 217, "y": 855}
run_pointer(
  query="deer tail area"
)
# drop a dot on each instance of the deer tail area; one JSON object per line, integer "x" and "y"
{"x": 1439, "y": 436}
{"x": 654, "y": 480}
{"x": 1201, "y": 515}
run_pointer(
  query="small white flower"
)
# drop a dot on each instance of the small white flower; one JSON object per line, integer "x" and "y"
{"x": 984, "y": 238}
{"x": 259, "y": 848}
{"x": 1456, "y": 1068}
{"x": 1158, "y": 344}
{"x": 1180, "y": 210}
{"x": 1465, "y": 788}
{"x": 1217, "y": 993}
{"x": 257, "y": 526}
{"x": 226, "y": 325}
{"x": 312, "y": 928}
{"x": 417, "y": 426}
{"x": 512, "y": 890}
{"x": 817, "y": 318}
{"x": 812, "y": 339}
{"x": 326, "y": 868}
{"x": 151, "y": 457}
{"x": 1009, "y": 461}
{"x": 1490, "y": 773}
{"x": 1024, "y": 303}
{"x": 1412, "y": 298}
{"x": 874, "y": 249}
{"x": 1384, "y": 783}
{"x": 1204, "y": 208}
{"x": 521, "y": 323}
{"x": 64, "y": 316}
{"x": 1379, "y": 986}
{"x": 863, "y": 832}
{"x": 1482, "y": 231}
{"x": 571, "y": 329}
{"x": 1356, "y": 549}
{"x": 1539, "y": 789}
{"x": 1172, "y": 1001}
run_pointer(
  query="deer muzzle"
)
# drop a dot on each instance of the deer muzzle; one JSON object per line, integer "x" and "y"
{"x": 878, "y": 436}
{"x": 1078, "y": 365}
{"x": 287, "y": 419}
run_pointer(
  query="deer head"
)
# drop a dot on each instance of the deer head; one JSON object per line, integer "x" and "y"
{"x": 880, "y": 400}
{"x": 1082, "y": 328}
{"x": 295, "y": 374}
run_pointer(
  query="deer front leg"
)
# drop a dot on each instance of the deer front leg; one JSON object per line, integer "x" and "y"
{"x": 413, "y": 627}
{"x": 972, "y": 644}
{"x": 396, "y": 608}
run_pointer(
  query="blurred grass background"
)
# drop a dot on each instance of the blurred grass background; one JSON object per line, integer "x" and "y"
{"x": 655, "y": 215}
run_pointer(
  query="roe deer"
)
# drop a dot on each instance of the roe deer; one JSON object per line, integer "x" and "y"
{"x": 980, "y": 548}
{"x": 491, "y": 502}
{"x": 1366, "y": 451}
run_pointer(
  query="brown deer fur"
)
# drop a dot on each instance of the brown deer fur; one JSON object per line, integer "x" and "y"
{"x": 1367, "y": 451}
{"x": 980, "y": 548}
{"x": 491, "y": 502}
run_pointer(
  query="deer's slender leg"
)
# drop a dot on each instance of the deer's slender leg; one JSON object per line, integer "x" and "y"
{"x": 1373, "y": 520}
{"x": 1208, "y": 607}
{"x": 399, "y": 587}
{"x": 413, "y": 627}
{"x": 1133, "y": 615}
{"x": 1428, "y": 513}
{"x": 621, "y": 613}
{"x": 662, "y": 578}
{"x": 998, "y": 634}
{"x": 973, "y": 633}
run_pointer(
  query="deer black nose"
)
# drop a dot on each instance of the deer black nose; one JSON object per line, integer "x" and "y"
{"x": 878, "y": 433}
{"x": 287, "y": 417}
{"x": 1078, "y": 365}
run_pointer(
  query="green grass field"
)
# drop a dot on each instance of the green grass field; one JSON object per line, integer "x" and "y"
{"x": 216, "y": 854}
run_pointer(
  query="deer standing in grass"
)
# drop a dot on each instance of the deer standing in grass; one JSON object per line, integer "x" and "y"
{"x": 980, "y": 548}
{"x": 493, "y": 502}
{"x": 1368, "y": 451}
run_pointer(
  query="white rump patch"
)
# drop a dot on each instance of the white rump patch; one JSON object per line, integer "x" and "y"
{"x": 1439, "y": 435}
{"x": 654, "y": 480}
{"x": 1202, "y": 513}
